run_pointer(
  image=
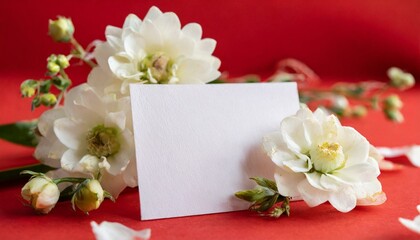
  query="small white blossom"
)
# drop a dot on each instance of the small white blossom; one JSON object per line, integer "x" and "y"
{"x": 319, "y": 160}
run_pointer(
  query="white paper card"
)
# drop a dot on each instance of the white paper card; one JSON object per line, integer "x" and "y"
{"x": 196, "y": 145}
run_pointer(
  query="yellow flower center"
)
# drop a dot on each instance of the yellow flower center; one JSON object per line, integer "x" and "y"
{"x": 327, "y": 157}
{"x": 102, "y": 141}
{"x": 158, "y": 68}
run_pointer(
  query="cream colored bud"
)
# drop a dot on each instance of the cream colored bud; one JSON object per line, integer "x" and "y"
{"x": 53, "y": 67}
{"x": 359, "y": 111}
{"x": 61, "y": 30}
{"x": 41, "y": 193}
{"x": 400, "y": 79}
{"x": 89, "y": 197}
{"x": 48, "y": 99}
{"x": 62, "y": 61}
{"x": 27, "y": 91}
{"x": 393, "y": 102}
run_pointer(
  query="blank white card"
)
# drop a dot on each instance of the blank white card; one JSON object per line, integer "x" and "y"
{"x": 196, "y": 145}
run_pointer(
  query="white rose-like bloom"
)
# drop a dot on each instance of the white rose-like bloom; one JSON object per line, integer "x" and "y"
{"x": 319, "y": 160}
{"x": 155, "y": 50}
{"x": 90, "y": 134}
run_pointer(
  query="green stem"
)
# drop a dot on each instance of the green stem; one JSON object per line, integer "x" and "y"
{"x": 70, "y": 180}
{"x": 81, "y": 53}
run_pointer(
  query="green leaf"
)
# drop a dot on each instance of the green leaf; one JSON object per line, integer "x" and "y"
{"x": 45, "y": 86}
{"x": 264, "y": 182}
{"x": 13, "y": 174}
{"x": 22, "y": 133}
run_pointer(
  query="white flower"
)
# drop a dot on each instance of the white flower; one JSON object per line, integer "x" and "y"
{"x": 319, "y": 160}
{"x": 90, "y": 134}
{"x": 42, "y": 193}
{"x": 155, "y": 50}
{"x": 113, "y": 230}
{"x": 413, "y": 225}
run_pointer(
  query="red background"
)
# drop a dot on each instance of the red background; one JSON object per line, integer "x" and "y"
{"x": 340, "y": 40}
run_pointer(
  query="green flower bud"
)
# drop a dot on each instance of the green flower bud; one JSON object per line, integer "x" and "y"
{"x": 62, "y": 61}
{"x": 27, "y": 91}
{"x": 400, "y": 79}
{"x": 393, "y": 102}
{"x": 61, "y": 30}
{"x": 28, "y": 88}
{"x": 61, "y": 83}
{"x": 41, "y": 193}
{"x": 53, "y": 67}
{"x": 48, "y": 99}
{"x": 90, "y": 196}
{"x": 394, "y": 115}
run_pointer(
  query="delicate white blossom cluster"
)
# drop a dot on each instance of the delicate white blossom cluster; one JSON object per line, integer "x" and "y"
{"x": 92, "y": 135}
{"x": 319, "y": 160}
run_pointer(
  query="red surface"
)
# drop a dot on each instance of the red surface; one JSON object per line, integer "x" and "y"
{"x": 342, "y": 39}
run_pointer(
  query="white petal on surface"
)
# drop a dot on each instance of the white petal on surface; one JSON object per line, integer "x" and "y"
{"x": 70, "y": 160}
{"x": 287, "y": 182}
{"x": 112, "y": 230}
{"x": 410, "y": 225}
{"x": 344, "y": 200}
{"x": 312, "y": 196}
{"x": 355, "y": 146}
{"x": 70, "y": 133}
{"x": 414, "y": 155}
{"x": 193, "y": 30}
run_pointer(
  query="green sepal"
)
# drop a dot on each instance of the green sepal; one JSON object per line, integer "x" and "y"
{"x": 22, "y": 133}
{"x": 251, "y": 195}
{"x": 264, "y": 182}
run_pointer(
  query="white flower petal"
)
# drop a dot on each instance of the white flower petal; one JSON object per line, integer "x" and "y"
{"x": 113, "y": 230}
{"x": 207, "y": 46}
{"x": 153, "y": 14}
{"x": 46, "y": 120}
{"x": 314, "y": 179}
{"x": 358, "y": 173}
{"x": 193, "y": 30}
{"x": 132, "y": 21}
{"x": 343, "y": 200}
{"x": 192, "y": 70}
{"x": 114, "y": 184}
{"x": 115, "y": 119}
{"x": 102, "y": 52}
{"x": 312, "y": 196}
{"x": 414, "y": 155}
{"x": 294, "y": 135}
{"x": 287, "y": 182}
{"x": 70, "y": 160}
{"x": 70, "y": 133}
{"x": 331, "y": 183}
{"x": 413, "y": 226}
{"x": 49, "y": 151}
{"x": 355, "y": 146}
{"x": 134, "y": 46}
{"x": 298, "y": 165}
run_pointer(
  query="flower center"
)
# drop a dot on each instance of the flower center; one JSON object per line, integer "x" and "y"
{"x": 327, "y": 157}
{"x": 158, "y": 68}
{"x": 102, "y": 141}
